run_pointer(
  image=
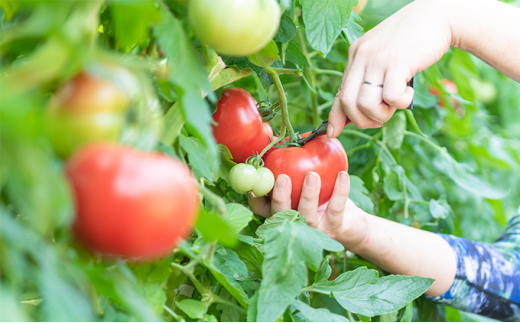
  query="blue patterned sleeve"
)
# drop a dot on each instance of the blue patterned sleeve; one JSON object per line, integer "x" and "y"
{"x": 487, "y": 281}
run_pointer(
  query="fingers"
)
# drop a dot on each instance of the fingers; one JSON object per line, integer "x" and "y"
{"x": 309, "y": 199}
{"x": 260, "y": 205}
{"x": 335, "y": 210}
{"x": 370, "y": 97}
{"x": 395, "y": 91}
{"x": 281, "y": 199}
{"x": 337, "y": 119}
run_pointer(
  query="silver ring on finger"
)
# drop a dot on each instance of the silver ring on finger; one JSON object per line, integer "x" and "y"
{"x": 373, "y": 83}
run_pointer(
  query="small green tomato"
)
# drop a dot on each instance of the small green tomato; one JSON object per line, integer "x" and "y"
{"x": 265, "y": 181}
{"x": 243, "y": 178}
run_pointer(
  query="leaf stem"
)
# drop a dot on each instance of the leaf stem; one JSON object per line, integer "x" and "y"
{"x": 282, "y": 98}
{"x": 357, "y": 133}
{"x": 436, "y": 147}
{"x": 293, "y": 71}
{"x": 329, "y": 72}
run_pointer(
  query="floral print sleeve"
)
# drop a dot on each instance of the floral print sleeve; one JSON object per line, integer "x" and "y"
{"x": 488, "y": 275}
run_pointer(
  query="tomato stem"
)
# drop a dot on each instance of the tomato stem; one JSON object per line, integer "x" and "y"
{"x": 274, "y": 142}
{"x": 311, "y": 77}
{"x": 293, "y": 71}
{"x": 282, "y": 98}
{"x": 329, "y": 72}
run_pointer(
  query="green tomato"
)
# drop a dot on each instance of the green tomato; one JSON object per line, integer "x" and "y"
{"x": 243, "y": 178}
{"x": 235, "y": 27}
{"x": 265, "y": 181}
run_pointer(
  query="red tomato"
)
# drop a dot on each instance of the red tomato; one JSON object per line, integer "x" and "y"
{"x": 324, "y": 156}
{"x": 268, "y": 130}
{"x": 130, "y": 203}
{"x": 239, "y": 125}
{"x": 451, "y": 88}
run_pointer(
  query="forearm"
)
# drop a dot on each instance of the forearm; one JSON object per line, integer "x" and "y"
{"x": 404, "y": 250}
{"x": 488, "y": 29}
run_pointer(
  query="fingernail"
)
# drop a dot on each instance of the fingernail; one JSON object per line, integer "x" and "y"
{"x": 281, "y": 182}
{"x": 311, "y": 180}
{"x": 330, "y": 131}
{"x": 343, "y": 177}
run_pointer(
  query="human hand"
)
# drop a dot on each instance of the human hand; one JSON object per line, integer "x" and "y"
{"x": 340, "y": 218}
{"x": 390, "y": 55}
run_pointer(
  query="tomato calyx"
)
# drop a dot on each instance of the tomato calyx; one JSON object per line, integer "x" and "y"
{"x": 267, "y": 110}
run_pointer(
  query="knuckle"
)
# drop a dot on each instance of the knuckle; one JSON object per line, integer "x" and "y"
{"x": 335, "y": 209}
{"x": 364, "y": 103}
{"x": 391, "y": 98}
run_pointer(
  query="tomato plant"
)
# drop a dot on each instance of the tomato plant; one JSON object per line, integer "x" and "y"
{"x": 239, "y": 126}
{"x": 130, "y": 203}
{"x": 234, "y": 27}
{"x": 161, "y": 99}
{"x": 321, "y": 155}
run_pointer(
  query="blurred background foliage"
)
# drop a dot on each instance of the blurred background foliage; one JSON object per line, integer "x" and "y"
{"x": 462, "y": 176}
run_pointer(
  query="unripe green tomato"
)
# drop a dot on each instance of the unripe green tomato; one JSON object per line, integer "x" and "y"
{"x": 235, "y": 27}
{"x": 243, "y": 178}
{"x": 265, "y": 181}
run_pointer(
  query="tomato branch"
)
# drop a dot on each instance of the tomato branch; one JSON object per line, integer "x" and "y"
{"x": 282, "y": 98}
{"x": 293, "y": 71}
{"x": 329, "y": 72}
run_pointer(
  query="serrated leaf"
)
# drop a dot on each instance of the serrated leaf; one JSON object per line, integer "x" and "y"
{"x": 225, "y": 162}
{"x": 317, "y": 314}
{"x": 214, "y": 228}
{"x": 286, "y": 31}
{"x": 252, "y": 258}
{"x": 348, "y": 280}
{"x": 324, "y": 21}
{"x": 196, "y": 160}
{"x": 385, "y": 295}
{"x": 353, "y": 30}
{"x": 277, "y": 220}
{"x": 237, "y": 216}
{"x": 193, "y": 308}
{"x": 294, "y": 54}
{"x": 359, "y": 194}
{"x": 267, "y": 56}
{"x": 288, "y": 248}
{"x": 227, "y": 269}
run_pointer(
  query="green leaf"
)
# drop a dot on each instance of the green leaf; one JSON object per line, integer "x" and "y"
{"x": 324, "y": 21}
{"x": 151, "y": 277}
{"x": 324, "y": 272}
{"x": 353, "y": 30}
{"x": 197, "y": 116}
{"x": 266, "y": 56}
{"x": 288, "y": 248}
{"x": 237, "y": 216}
{"x": 188, "y": 71}
{"x": 173, "y": 122}
{"x": 393, "y": 183}
{"x": 440, "y": 209}
{"x": 407, "y": 314}
{"x": 463, "y": 69}
{"x": 229, "y": 75}
{"x": 252, "y": 258}
{"x": 359, "y": 194}
{"x": 294, "y": 54}
{"x": 286, "y": 31}
{"x": 383, "y": 295}
{"x": 412, "y": 120}
{"x": 348, "y": 280}
{"x": 277, "y": 220}
{"x": 214, "y": 228}
{"x": 461, "y": 175}
{"x": 225, "y": 162}
{"x": 132, "y": 20}
{"x": 390, "y": 317}
{"x": 252, "y": 311}
{"x": 196, "y": 160}
{"x": 317, "y": 314}
{"x": 193, "y": 308}
{"x": 227, "y": 268}
{"x": 395, "y": 128}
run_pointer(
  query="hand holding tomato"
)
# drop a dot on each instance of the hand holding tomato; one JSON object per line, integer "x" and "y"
{"x": 324, "y": 156}
{"x": 339, "y": 218}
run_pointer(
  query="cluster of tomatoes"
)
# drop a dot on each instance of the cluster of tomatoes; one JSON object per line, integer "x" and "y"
{"x": 129, "y": 203}
{"x": 239, "y": 127}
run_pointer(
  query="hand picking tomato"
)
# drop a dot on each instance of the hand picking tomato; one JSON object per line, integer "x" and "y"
{"x": 324, "y": 156}
{"x": 89, "y": 107}
{"x": 239, "y": 125}
{"x": 235, "y": 27}
{"x": 129, "y": 203}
